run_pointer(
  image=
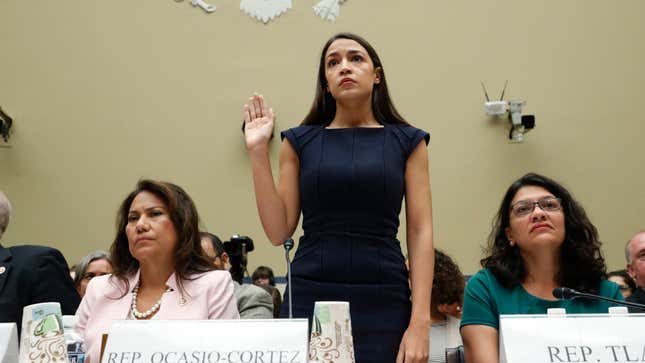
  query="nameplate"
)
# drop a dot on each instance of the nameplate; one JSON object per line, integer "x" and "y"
{"x": 8, "y": 343}
{"x": 590, "y": 338}
{"x": 207, "y": 341}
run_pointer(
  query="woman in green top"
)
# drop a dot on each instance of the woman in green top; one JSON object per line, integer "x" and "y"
{"x": 541, "y": 239}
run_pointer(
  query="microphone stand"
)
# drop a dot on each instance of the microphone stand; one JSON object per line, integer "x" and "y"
{"x": 567, "y": 294}
{"x": 288, "y": 245}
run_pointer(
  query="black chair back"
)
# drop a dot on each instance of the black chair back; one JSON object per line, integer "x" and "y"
{"x": 455, "y": 355}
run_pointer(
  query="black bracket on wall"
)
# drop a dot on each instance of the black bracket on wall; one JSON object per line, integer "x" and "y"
{"x": 5, "y": 125}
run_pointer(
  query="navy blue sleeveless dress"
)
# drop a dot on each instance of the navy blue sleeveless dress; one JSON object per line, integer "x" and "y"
{"x": 352, "y": 183}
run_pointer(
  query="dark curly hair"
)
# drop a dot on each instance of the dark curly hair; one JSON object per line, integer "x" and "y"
{"x": 449, "y": 283}
{"x": 625, "y": 276}
{"x": 582, "y": 265}
{"x": 189, "y": 257}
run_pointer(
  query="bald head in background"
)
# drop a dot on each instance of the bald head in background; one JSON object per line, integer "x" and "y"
{"x": 5, "y": 213}
{"x": 635, "y": 255}
{"x": 31, "y": 275}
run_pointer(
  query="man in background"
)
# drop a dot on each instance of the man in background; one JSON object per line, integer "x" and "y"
{"x": 635, "y": 255}
{"x": 253, "y": 302}
{"x": 30, "y": 275}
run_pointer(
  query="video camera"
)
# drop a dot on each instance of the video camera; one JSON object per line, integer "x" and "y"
{"x": 237, "y": 249}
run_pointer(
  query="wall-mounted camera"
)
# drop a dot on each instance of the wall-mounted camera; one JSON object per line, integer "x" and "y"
{"x": 5, "y": 126}
{"x": 237, "y": 249}
{"x": 520, "y": 124}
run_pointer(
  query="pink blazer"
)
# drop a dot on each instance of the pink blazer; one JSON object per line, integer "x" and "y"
{"x": 209, "y": 296}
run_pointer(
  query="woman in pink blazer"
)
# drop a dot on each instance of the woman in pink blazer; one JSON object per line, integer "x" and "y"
{"x": 160, "y": 269}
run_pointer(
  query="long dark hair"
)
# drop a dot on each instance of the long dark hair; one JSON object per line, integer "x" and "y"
{"x": 189, "y": 257}
{"x": 323, "y": 108}
{"x": 582, "y": 265}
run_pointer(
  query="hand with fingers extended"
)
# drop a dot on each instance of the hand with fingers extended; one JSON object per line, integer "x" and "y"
{"x": 258, "y": 123}
{"x": 415, "y": 344}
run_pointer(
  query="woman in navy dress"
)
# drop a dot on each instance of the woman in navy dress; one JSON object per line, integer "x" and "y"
{"x": 347, "y": 168}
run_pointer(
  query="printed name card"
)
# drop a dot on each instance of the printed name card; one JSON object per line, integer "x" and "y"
{"x": 8, "y": 343}
{"x": 591, "y": 338}
{"x": 207, "y": 341}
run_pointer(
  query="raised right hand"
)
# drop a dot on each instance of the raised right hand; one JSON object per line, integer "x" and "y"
{"x": 258, "y": 123}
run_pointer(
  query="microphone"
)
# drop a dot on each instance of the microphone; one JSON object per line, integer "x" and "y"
{"x": 288, "y": 245}
{"x": 565, "y": 293}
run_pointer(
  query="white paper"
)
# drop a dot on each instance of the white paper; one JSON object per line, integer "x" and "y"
{"x": 270, "y": 340}
{"x": 8, "y": 343}
{"x": 595, "y": 338}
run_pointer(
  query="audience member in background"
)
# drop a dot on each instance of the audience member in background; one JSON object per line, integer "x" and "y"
{"x": 541, "y": 240}
{"x": 445, "y": 307}
{"x": 160, "y": 270}
{"x": 625, "y": 282}
{"x": 263, "y": 276}
{"x": 97, "y": 263}
{"x": 252, "y": 301}
{"x": 30, "y": 275}
{"x": 635, "y": 254}
{"x": 276, "y": 296}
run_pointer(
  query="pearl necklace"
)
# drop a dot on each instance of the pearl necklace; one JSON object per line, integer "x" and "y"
{"x": 153, "y": 309}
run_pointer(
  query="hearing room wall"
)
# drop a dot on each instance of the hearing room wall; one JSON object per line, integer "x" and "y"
{"x": 103, "y": 93}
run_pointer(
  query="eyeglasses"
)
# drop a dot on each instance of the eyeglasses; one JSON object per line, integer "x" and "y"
{"x": 526, "y": 207}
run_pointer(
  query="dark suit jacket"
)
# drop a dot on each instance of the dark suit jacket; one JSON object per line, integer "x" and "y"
{"x": 34, "y": 274}
{"x": 638, "y": 296}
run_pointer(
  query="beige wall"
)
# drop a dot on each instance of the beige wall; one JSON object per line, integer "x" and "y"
{"x": 106, "y": 92}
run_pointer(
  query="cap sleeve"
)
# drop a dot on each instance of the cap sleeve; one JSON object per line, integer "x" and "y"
{"x": 293, "y": 139}
{"x": 299, "y": 136}
{"x": 409, "y": 137}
